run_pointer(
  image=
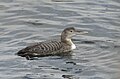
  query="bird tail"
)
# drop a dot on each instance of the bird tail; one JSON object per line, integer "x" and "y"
{"x": 21, "y": 53}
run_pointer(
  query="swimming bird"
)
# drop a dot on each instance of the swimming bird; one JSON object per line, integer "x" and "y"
{"x": 52, "y": 47}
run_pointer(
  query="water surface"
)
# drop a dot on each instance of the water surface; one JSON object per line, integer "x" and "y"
{"x": 97, "y": 56}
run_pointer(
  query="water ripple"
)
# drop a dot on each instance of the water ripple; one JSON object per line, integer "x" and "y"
{"x": 24, "y": 22}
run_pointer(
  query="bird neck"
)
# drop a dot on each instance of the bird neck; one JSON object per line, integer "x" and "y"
{"x": 65, "y": 39}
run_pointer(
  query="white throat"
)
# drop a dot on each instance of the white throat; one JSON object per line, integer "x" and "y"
{"x": 72, "y": 44}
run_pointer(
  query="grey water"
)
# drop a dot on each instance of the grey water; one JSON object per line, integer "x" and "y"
{"x": 23, "y": 22}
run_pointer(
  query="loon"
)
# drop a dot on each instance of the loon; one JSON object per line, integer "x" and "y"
{"x": 52, "y": 47}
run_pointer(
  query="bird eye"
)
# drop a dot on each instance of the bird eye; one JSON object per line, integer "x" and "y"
{"x": 71, "y": 31}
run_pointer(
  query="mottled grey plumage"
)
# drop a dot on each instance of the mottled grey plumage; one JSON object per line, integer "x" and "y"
{"x": 52, "y": 47}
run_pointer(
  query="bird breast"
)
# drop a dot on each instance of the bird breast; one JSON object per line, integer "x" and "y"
{"x": 73, "y": 46}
